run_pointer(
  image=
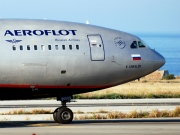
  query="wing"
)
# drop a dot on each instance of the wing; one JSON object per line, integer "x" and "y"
{"x": 18, "y": 41}
{"x": 10, "y": 41}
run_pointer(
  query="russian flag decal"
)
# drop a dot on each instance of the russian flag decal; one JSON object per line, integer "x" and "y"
{"x": 136, "y": 56}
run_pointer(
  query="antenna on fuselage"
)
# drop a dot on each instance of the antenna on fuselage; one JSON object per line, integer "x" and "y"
{"x": 87, "y": 22}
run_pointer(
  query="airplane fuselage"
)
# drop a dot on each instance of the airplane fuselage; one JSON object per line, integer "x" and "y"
{"x": 41, "y": 58}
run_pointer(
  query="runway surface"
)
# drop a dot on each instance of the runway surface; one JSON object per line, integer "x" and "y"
{"x": 43, "y": 125}
{"x": 124, "y": 105}
{"x": 94, "y": 127}
{"x": 90, "y": 103}
{"x": 86, "y": 106}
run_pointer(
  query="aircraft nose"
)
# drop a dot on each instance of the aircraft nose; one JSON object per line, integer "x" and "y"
{"x": 159, "y": 61}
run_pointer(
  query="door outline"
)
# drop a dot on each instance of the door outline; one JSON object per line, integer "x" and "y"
{"x": 103, "y": 50}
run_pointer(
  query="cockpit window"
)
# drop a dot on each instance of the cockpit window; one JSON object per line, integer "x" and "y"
{"x": 141, "y": 45}
{"x": 134, "y": 45}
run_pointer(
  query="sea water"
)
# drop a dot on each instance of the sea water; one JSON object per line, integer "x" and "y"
{"x": 167, "y": 45}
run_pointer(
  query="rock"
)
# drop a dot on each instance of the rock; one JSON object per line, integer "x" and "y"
{"x": 157, "y": 75}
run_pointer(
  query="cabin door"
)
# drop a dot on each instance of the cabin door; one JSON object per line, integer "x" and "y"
{"x": 96, "y": 48}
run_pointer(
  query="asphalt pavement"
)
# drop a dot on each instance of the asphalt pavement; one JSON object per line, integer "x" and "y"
{"x": 94, "y": 127}
{"x": 44, "y": 125}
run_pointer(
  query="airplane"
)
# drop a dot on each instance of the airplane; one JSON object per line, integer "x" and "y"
{"x": 49, "y": 58}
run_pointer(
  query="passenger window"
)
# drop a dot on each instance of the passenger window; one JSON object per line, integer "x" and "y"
{"x": 21, "y": 47}
{"x": 93, "y": 45}
{"x": 141, "y": 45}
{"x": 35, "y": 47}
{"x": 28, "y": 47}
{"x": 14, "y": 47}
{"x": 70, "y": 47}
{"x": 49, "y": 47}
{"x": 56, "y": 47}
{"x": 134, "y": 45}
{"x": 42, "y": 47}
{"x": 77, "y": 47}
{"x": 63, "y": 47}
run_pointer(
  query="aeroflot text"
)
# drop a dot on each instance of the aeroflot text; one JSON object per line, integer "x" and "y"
{"x": 39, "y": 32}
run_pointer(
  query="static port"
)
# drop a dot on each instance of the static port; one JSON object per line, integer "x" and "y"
{"x": 63, "y": 71}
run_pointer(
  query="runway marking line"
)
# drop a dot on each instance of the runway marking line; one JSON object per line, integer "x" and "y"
{"x": 65, "y": 127}
{"x": 37, "y": 125}
{"x": 51, "y": 126}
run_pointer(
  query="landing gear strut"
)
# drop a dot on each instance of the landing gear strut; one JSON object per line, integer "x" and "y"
{"x": 63, "y": 114}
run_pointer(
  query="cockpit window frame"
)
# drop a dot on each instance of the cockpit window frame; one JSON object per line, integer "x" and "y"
{"x": 142, "y": 44}
{"x": 137, "y": 44}
{"x": 134, "y": 46}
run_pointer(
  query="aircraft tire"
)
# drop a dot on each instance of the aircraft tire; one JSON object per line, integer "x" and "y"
{"x": 64, "y": 115}
{"x": 55, "y": 115}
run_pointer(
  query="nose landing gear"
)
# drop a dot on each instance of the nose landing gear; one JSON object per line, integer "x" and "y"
{"x": 63, "y": 114}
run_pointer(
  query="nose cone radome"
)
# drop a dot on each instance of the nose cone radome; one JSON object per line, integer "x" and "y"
{"x": 159, "y": 61}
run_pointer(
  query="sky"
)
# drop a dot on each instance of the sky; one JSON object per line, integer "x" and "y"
{"x": 155, "y": 16}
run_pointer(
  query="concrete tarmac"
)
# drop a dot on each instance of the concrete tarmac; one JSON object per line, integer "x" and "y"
{"x": 123, "y": 105}
{"x": 94, "y": 127}
{"x": 40, "y": 126}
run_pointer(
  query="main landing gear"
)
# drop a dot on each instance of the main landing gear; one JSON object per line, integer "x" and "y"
{"x": 63, "y": 114}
